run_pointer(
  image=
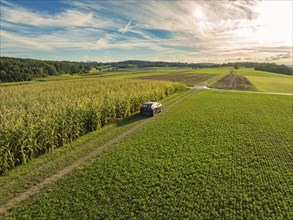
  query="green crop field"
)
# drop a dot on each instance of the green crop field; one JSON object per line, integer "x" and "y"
{"x": 129, "y": 74}
{"x": 187, "y": 79}
{"x": 220, "y": 70}
{"x": 268, "y": 82}
{"x": 36, "y": 118}
{"x": 141, "y": 72}
{"x": 215, "y": 155}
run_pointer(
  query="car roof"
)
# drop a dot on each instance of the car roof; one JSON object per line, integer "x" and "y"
{"x": 148, "y": 103}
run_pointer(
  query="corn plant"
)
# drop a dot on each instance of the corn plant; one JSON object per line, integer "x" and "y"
{"x": 39, "y": 117}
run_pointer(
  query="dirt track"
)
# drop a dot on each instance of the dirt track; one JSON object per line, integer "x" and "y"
{"x": 106, "y": 147}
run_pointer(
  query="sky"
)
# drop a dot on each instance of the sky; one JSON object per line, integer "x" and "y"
{"x": 209, "y": 31}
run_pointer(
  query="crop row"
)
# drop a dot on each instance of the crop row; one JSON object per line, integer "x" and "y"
{"x": 187, "y": 78}
{"x": 216, "y": 155}
{"x": 234, "y": 81}
{"x": 37, "y": 118}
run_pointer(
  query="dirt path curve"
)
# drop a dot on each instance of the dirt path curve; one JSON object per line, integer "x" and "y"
{"x": 105, "y": 147}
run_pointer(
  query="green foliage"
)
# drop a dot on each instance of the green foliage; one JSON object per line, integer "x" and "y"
{"x": 268, "y": 67}
{"x": 37, "y": 118}
{"x": 274, "y": 68}
{"x": 216, "y": 155}
{"x": 16, "y": 69}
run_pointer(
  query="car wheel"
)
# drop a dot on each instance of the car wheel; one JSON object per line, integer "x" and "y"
{"x": 154, "y": 113}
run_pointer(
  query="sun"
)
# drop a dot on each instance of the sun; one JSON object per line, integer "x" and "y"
{"x": 198, "y": 13}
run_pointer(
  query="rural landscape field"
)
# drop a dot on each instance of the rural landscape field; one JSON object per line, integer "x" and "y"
{"x": 210, "y": 154}
{"x": 77, "y": 76}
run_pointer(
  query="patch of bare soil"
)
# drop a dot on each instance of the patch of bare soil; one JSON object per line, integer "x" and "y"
{"x": 234, "y": 82}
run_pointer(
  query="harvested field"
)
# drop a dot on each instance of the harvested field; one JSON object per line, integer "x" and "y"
{"x": 234, "y": 82}
{"x": 188, "y": 79}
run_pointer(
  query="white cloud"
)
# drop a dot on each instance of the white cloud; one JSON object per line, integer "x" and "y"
{"x": 126, "y": 28}
{"x": 215, "y": 30}
{"x": 69, "y": 17}
{"x": 37, "y": 44}
{"x": 103, "y": 42}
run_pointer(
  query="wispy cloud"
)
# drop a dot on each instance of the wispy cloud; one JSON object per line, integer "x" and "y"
{"x": 71, "y": 17}
{"x": 126, "y": 28}
{"x": 194, "y": 31}
{"x": 27, "y": 41}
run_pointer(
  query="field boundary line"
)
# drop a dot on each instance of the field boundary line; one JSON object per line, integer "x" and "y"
{"x": 83, "y": 160}
{"x": 204, "y": 87}
{"x": 268, "y": 93}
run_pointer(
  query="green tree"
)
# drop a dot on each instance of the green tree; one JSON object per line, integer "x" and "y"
{"x": 51, "y": 70}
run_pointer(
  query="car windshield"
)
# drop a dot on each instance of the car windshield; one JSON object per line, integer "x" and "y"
{"x": 147, "y": 105}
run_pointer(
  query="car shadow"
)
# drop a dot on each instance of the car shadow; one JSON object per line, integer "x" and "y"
{"x": 131, "y": 119}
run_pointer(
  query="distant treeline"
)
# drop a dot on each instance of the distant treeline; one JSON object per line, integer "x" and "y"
{"x": 268, "y": 67}
{"x": 143, "y": 64}
{"x": 17, "y": 69}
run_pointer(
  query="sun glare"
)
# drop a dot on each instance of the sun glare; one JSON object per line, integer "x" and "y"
{"x": 198, "y": 13}
{"x": 274, "y": 23}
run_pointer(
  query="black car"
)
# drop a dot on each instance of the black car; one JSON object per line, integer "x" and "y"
{"x": 151, "y": 108}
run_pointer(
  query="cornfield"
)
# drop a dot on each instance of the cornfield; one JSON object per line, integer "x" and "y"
{"x": 39, "y": 117}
